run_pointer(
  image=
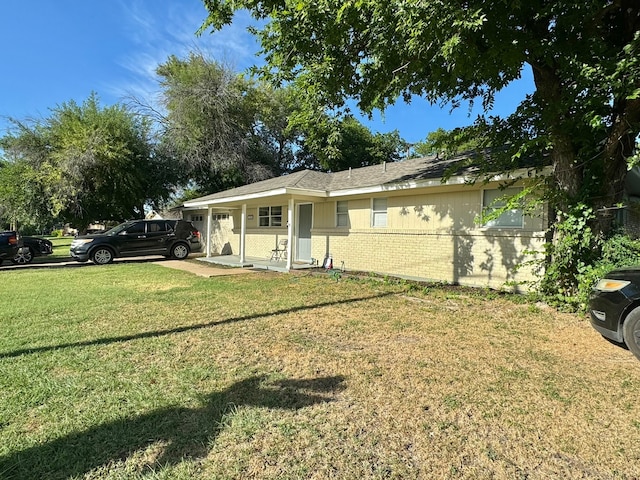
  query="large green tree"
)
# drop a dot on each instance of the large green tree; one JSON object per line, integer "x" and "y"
{"x": 23, "y": 198}
{"x": 584, "y": 58}
{"x": 354, "y": 145}
{"x": 220, "y": 128}
{"x": 86, "y": 163}
{"x": 582, "y": 118}
{"x": 224, "y": 129}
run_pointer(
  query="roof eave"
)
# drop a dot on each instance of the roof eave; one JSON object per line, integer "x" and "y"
{"x": 387, "y": 187}
{"x": 257, "y": 195}
{"x": 428, "y": 183}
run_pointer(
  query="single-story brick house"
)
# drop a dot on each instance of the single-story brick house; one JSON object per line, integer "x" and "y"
{"x": 398, "y": 218}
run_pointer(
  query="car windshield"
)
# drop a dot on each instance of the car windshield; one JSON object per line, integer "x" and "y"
{"x": 118, "y": 228}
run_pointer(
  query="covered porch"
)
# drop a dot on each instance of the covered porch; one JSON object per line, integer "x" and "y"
{"x": 243, "y": 224}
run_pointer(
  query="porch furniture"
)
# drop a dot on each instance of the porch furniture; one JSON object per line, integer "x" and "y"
{"x": 280, "y": 252}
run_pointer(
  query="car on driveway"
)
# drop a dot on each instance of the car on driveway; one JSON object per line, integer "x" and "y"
{"x": 171, "y": 238}
{"x": 31, "y": 247}
{"x": 614, "y": 307}
{"x": 8, "y": 245}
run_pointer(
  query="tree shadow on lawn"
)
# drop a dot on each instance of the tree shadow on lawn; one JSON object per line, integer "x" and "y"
{"x": 186, "y": 328}
{"x": 43, "y": 262}
{"x": 182, "y": 433}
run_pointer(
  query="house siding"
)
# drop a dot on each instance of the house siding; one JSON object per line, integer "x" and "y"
{"x": 431, "y": 234}
{"x": 466, "y": 258}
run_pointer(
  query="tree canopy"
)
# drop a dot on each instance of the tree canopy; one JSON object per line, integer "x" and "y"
{"x": 225, "y": 130}
{"x": 585, "y": 110}
{"x": 208, "y": 122}
{"x": 83, "y": 163}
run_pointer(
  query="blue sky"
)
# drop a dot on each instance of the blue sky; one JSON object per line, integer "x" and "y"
{"x": 54, "y": 51}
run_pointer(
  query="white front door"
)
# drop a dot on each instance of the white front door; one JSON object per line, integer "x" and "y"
{"x": 305, "y": 220}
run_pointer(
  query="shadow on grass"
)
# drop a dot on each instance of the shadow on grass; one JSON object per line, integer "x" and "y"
{"x": 186, "y": 328}
{"x": 178, "y": 433}
{"x": 68, "y": 262}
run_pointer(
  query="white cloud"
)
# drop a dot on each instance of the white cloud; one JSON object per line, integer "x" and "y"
{"x": 157, "y": 29}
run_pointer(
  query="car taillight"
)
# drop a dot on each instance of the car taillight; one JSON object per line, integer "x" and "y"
{"x": 197, "y": 234}
{"x": 13, "y": 240}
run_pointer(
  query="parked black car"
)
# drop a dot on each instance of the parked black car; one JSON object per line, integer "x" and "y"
{"x": 614, "y": 307}
{"x": 31, "y": 247}
{"x": 8, "y": 245}
{"x": 171, "y": 238}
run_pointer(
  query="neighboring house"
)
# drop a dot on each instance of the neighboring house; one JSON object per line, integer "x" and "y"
{"x": 399, "y": 219}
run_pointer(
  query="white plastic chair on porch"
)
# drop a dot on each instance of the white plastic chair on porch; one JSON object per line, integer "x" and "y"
{"x": 280, "y": 252}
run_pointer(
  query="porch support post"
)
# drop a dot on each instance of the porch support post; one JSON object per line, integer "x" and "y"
{"x": 243, "y": 232}
{"x": 208, "y": 243}
{"x": 290, "y": 223}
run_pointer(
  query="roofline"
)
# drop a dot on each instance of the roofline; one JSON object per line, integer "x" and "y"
{"x": 430, "y": 182}
{"x": 408, "y": 185}
{"x": 252, "y": 196}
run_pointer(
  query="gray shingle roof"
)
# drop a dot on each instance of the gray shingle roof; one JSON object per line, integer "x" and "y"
{"x": 304, "y": 179}
{"x": 384, "y": 174}
{"x": 424, "y": 168}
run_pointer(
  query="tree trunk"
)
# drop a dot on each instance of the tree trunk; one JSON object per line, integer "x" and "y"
{"x": 567, "y": 172}
{"x": 619, "y": 147}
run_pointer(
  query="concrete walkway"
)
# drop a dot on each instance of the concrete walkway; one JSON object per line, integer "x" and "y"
{"x": 203, "y": 269}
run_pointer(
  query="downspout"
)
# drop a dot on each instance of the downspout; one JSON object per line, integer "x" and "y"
{"x": 290, "y": 222}
{"x": 243, "y": 232}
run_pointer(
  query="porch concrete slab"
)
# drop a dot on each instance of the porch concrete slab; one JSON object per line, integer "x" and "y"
{"x": 255, "y": 263}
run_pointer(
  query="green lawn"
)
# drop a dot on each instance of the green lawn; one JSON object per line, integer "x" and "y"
{"x": 136, "y": 371}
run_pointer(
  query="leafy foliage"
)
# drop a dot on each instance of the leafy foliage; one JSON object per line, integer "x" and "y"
{"x": 208, "y": 122}
{"x": 83, "y": 163}
{"x": 572, "y": 254}
{"x": 446, "y": 142}
{"x": 225, "y": 130}
{"x": 355, "y": 146}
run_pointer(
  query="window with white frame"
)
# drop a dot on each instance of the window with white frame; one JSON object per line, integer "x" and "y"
{"x": 379, "y": 212}
{"x": 196, "y": 218}
{"x": 342, "y": 213}
{"x": 496, "y": 199}
{"x": 270, "y": 216}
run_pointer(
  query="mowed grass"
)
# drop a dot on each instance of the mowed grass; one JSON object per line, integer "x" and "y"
{"x": 137, "y": 371}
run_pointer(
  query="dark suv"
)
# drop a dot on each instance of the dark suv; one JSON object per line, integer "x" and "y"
{"x": 171, "y": 238}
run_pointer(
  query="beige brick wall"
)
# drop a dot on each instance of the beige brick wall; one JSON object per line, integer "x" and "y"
{"x": 430, "y": 236}
{"x": 466, "y": 258}
{"x": 260, "y": 243}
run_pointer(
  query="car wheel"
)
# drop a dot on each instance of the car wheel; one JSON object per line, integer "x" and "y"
{"x": 24, "y": 255}
{"x": 102, "y": 256}
{"x": 631, "y": 332}
{"x": 180, "y": 251}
